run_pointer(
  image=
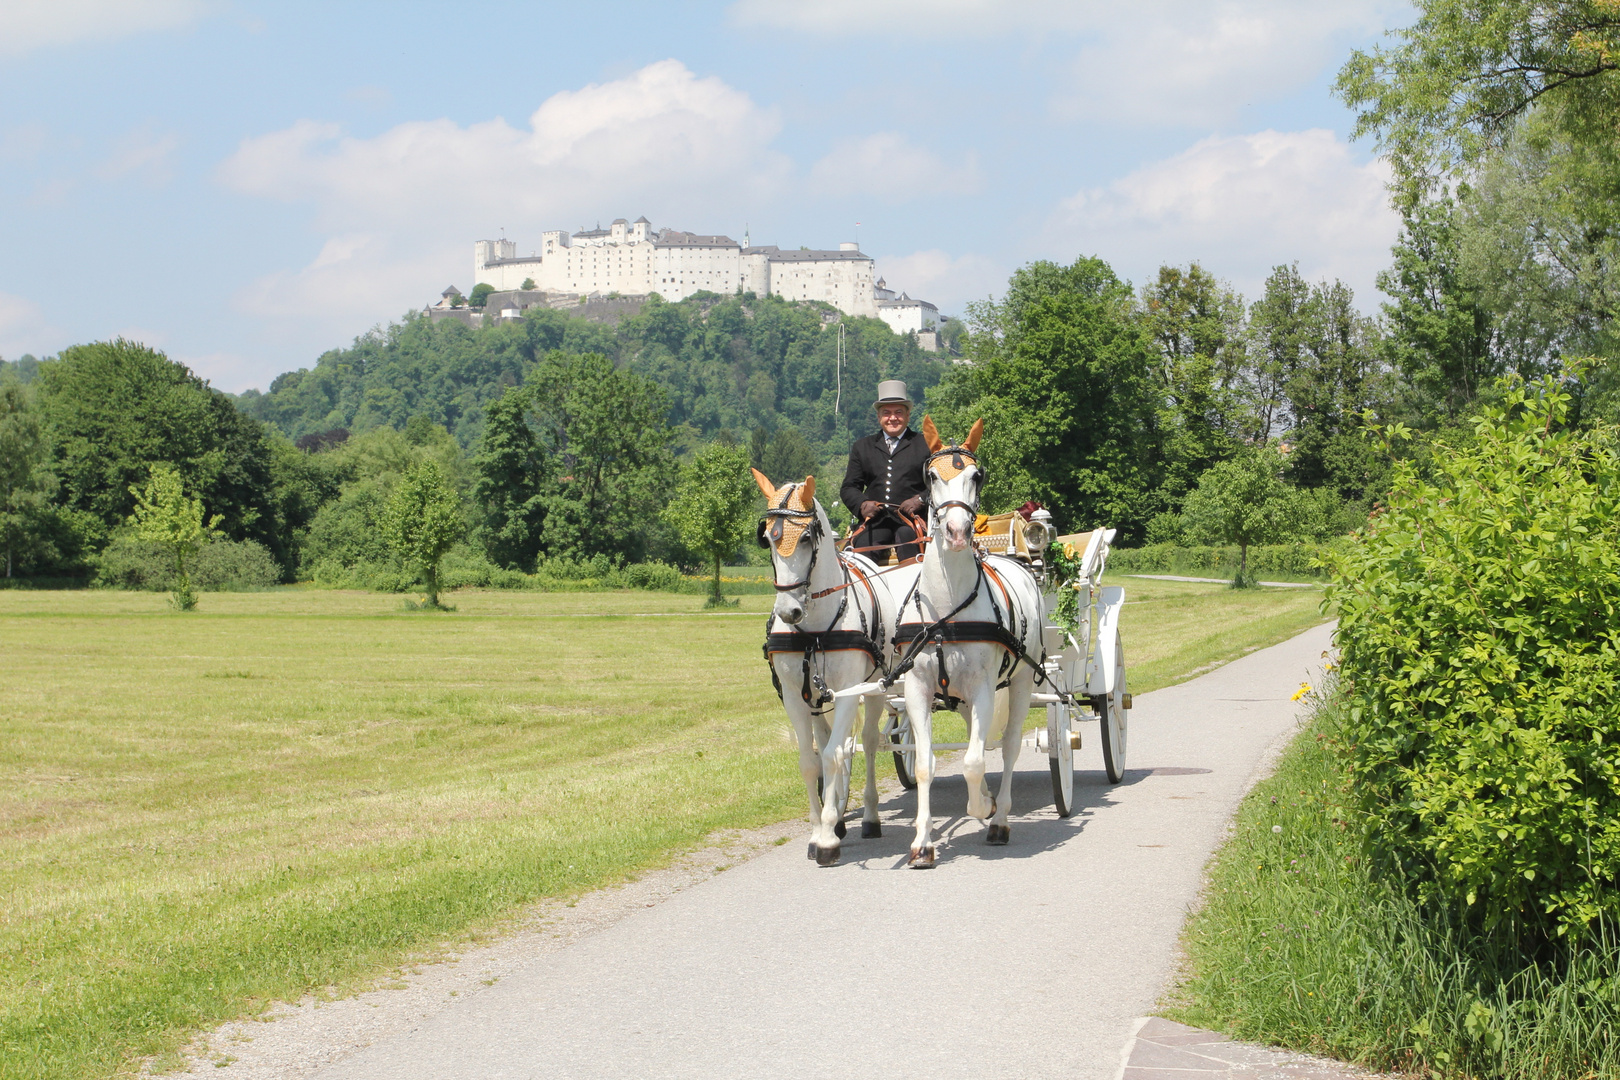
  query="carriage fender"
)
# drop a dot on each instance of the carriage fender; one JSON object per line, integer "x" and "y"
{"x": 1100, "y": 672}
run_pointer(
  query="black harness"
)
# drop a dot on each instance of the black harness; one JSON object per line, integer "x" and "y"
{"x": 832, "y": 639}
{"x": 943, "y": 629}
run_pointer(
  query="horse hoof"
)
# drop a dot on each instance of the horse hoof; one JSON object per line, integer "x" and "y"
{"x": 997, "y": 835}
{"x": 871, "y": 830}
{"x": 924, "y": 859}
{"x": 827, "y": 856}
{"x": 840, "y": 830}
{"x": 811, "y": 854}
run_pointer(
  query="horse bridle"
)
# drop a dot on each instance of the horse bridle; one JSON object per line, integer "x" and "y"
{"x": 956, "y": 454}
{"x": 770, "y": 533}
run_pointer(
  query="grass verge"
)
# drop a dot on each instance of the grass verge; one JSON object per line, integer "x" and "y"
{"x": 298, "y": 789}
{"x": 1298, "y": 946}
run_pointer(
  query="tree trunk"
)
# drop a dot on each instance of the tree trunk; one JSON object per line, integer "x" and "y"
{"x": 432, "y": 576}
{"x": 717, "y": 579}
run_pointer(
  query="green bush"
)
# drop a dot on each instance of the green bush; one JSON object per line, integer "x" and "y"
{"x": 1298, "y": 943}
{"x": 129, "y": 562}
{"x": 1300, "y": 560}
{"x": 1479, "y": 618}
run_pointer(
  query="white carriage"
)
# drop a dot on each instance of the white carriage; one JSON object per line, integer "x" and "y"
{"x": 1084, "y": 664}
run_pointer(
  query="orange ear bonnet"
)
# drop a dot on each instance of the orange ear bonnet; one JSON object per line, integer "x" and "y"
{"x": 783, "y": 530}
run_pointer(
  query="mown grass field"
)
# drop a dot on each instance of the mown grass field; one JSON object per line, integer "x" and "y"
{"x": 296, "y": 789}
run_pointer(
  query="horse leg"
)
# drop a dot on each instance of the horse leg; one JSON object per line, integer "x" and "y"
{"x": 809, "y": 763}
{"x": 833, "y": 759}
{"x": 920, "y": 684}
{"x": 1023, "y": 684}
{"x": 980, "y": 707}
{"x": 870, "y": 825}
{"x": 836, "y": 791}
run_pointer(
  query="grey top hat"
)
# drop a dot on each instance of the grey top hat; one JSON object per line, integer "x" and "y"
{"x": 892, "y": 392}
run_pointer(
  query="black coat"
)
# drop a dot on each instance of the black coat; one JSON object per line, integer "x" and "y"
{"x": 873, "y": 475}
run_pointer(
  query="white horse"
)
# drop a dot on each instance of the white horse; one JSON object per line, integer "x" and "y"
{"x": 828, "y": 630}
{"x": 972, "y": 622}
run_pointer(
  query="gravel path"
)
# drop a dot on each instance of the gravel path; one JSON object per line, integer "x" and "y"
{"x": 1038, "y": 959}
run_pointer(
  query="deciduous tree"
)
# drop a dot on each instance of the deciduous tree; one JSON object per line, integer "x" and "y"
{"x": 1062, "y": 373}
{"x": 1245, "y": 501}
{"x": 423, "y": 521}
{"x": 24, "y": 480}
{"x": 165, "y": 516}
{"x": 713, "y": 507}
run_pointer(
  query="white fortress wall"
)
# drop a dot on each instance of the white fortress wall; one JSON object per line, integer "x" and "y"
{"x": 633, "y": 258}
{"x": 908, "y": 316}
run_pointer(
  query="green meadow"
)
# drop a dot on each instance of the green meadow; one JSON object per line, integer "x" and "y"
{"x": 298, "y": 789}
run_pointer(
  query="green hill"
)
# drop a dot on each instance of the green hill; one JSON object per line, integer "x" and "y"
{"x": 736, "y": 363}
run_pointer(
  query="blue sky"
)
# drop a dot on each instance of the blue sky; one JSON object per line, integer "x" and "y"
{"x": 245, "y": 185}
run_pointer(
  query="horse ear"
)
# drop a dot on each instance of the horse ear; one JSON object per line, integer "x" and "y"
{"x": 931, "y": 435}
{"x": 807, "y": 492}
{"x": 975, "y": 435}
{"x": 765, "y": 485}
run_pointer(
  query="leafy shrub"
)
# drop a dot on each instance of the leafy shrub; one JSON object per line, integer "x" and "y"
{"x": 129, "y": 562}
{"x": 234, "y": 567}
{"x": 1480, "y": 628}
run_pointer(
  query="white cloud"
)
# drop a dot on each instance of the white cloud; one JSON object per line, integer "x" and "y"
{"x": 933, "y": 18}
{"x": 661, "y": 129}
{"x": 38, "y": 24}
{"x": 24, "y": 328}
{"x": 357, "y": 280}
{"x": 401, "y": 210}
{"x": 944, "y": 280}
{"x": 141, "y": 151}
{"x": 226, "y": 371}
{"x": 1197, "y": 65}
{"x": 1241, "y": 205}
{"x": 1166, "y": 62}
{"x": 890, "y": 167}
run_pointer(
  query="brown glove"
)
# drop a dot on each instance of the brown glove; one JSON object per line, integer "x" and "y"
{"x": 870, "y": 507}
{"x": 912, "y": 506}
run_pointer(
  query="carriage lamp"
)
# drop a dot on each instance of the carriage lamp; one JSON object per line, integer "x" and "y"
{"x": 1038, "y": 532}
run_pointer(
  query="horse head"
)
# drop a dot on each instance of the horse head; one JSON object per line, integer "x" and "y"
{"x": 955, "y": 480}
{"x": 794, "y": 528}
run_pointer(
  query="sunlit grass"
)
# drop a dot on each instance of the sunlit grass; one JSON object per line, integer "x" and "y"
{"x": 294, "y": 789}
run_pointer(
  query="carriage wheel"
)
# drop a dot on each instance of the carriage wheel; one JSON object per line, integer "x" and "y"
{"x": 1114, "y": 718}
{"x": 1061, "y": 759}
{"x": 905, "y": 761}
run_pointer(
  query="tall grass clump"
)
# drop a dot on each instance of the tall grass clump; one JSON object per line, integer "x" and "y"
{"x": 1301, "y": 943}
{"x": 1430, "y": 879}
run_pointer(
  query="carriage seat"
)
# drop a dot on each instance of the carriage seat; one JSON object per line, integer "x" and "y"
{"x": 1001, "y": 534}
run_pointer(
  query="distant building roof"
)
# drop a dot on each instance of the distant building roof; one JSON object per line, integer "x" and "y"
{"x": 620, "y": 221}
{"x": 815, "y": 256}
{"x": 641, "y": 221}
{"x": 675, "y": 238}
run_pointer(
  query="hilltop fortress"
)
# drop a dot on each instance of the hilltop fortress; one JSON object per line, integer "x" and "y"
{"x": 632, "y": 259}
